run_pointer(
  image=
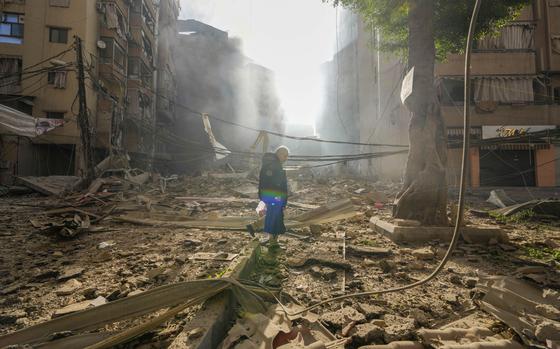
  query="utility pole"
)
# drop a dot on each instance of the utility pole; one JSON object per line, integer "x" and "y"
{"x": 83, "y": 118}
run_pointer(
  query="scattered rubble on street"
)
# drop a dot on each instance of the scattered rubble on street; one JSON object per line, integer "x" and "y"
{"x": 120, "y": 239}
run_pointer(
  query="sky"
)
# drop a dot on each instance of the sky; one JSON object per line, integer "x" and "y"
{"x": 291, "y": 37}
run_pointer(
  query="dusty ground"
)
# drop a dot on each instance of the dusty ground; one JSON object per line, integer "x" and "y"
{"x": 139, "y": 258}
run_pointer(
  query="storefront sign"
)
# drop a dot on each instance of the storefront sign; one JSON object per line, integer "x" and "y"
{"x": 509, "y": 131}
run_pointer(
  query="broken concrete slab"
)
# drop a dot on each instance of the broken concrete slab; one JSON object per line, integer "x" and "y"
{"x": 207, "y": 329}
{"x": 70, "y": 273}
{"x": 69, "y": 287}
{"x": 367, "y": 251}
{"x": 423, "y": 253}
{"x": 480, "y": 234}
{"x": 75, "y": 307}
{"x": 371, "y": 311}
{"x": 51, "y": 185}
{"x": 341, "y": 318}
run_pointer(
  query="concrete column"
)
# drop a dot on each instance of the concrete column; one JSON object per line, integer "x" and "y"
{"x": 545, "y": 167}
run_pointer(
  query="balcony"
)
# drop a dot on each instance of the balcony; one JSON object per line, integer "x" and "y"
{"x": 490, "y": 63}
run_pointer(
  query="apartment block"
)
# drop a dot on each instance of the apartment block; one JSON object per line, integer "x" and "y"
{"x": 516, "y": 89}
{"x": 120, "y": 54}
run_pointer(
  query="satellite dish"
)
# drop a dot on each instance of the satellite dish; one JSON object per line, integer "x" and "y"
{"x": 101, "y": 44}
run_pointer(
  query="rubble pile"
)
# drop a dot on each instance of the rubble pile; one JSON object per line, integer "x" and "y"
{"x": 130, "y": 232}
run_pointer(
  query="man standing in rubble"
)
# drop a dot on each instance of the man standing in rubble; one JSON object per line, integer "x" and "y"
{"x": 273, "y": 191}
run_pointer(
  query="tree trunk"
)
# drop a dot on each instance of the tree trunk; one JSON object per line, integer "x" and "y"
{"x": 424, "y": 193}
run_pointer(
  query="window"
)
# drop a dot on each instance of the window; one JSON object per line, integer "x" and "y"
{"x": 11, "y": 28}
{"x": 55, "y": 115}
{"x": 58, "y": 35}
{"x": 10, "y": 75}
{"x": 147, "y": 46}
{"x": 59, "y": 3}
{"x": 57, "y": 78}
{"x": 119, "y": 55}
{"x": 112, "y": 53}
{"x": 134, "y": 68}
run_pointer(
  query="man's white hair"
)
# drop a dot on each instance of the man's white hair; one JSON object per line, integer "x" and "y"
{"x": 282, "y": 147}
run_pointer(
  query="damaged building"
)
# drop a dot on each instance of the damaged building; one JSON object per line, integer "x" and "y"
{"x": 515, "y": 91}
{"x": 216, "y": 78}
{"x": 120, "y": 50}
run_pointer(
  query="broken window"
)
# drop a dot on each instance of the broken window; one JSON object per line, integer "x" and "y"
{"x": 57, "y": 78}
{"x": 58, "y": 35}
{"x": 10, "y": 74}
{"x": 11, "y": 28}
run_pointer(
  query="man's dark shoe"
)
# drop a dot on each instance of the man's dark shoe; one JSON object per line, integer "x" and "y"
{"x": 250, "y": 230}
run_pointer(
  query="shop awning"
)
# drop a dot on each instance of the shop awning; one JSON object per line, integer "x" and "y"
{"x": 516, "y": 146}
{"x": 15, "y": 123}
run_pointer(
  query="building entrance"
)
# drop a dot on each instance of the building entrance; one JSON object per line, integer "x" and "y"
{"x": 507, "y": 168}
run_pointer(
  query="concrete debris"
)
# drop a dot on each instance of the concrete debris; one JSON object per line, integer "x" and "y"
{"x": 548, "y": 311}
{"x": 70, "y": 273}
{"x": 323, "y": 272}
{"x": 398, "y": 328}
{"x": 69, "y": 287}
{"x": 341, "y": 318}
{"x": 548, "y": 330}
{"x": 522, "y": 307}
{"x": 423, "y": 253}
{"x": 72, "y": 308}
{"x": 366, "y": 334}
{"x": 499, "y": 198}
{"x": 465, "y": 338}
{"x": 371, "y": 311}
{"x": 157, "y": 247}
{"x": 367, "y": 251}
{"x": 52, "y": 185}
{"x": 273, "y": 329}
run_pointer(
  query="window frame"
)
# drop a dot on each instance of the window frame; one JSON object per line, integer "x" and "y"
{"x": 11, "y": 37}
{"x": 58, "y": 30}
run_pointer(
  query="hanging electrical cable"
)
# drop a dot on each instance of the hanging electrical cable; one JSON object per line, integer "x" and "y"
{"x": 461, "y": 200}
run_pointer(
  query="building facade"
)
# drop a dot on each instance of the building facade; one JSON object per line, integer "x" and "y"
{"x": 516, "y": 79}
{"x": 515, "y": 90}
{"x": 215, "y": 77}
{"x": 37, "y": 63}
{"x": 361, "y": 102}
